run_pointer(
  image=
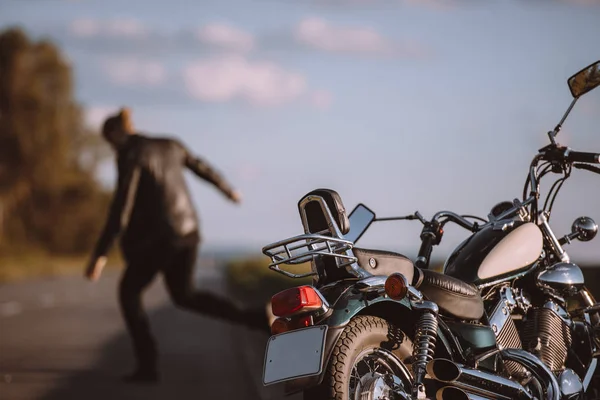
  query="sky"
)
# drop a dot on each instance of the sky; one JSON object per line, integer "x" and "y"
{"x": 402, "y": 105}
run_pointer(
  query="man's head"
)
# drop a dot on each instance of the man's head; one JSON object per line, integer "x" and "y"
{"x": 118, "y": 127}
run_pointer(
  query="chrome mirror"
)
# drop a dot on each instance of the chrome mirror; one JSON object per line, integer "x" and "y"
{"x": 585, "y": 228}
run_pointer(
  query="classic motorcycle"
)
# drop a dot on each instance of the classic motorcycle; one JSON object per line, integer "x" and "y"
{"x": 510, "y": 317}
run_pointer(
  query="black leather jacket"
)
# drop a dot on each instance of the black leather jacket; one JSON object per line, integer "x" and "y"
{"x": 152, "y": 203}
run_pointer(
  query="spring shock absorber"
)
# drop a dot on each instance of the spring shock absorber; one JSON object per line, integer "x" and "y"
{"x": 424, "y": 342}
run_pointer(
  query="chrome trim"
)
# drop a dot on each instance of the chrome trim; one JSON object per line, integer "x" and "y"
{"x": 502, "y": 310}
{"x": 329, "y": 242}
{"x": 555, "y": 244}
{"x": 372, "y": 283}
{"x": 454, "y": 393}
{"x": 561, "y": 277}
{"x": 476, "y": 381}
{"x": 590, "y": 373}
{"x": 537, "y": 367}
{"x": 585, "y": 228}
{"x": 570, "y": 383}
{"x": 351, "y": 265}
{"x": 425, "y": 305}
{"x": 415, "y": 294}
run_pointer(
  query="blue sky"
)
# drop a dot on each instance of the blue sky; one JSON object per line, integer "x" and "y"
{"x": 400, "y": 104}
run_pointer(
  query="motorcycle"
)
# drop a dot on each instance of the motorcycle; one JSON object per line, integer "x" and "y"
{"x": 509, "y": 317}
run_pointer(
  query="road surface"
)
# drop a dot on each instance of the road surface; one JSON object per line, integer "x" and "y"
{"x": 63, "y": 339}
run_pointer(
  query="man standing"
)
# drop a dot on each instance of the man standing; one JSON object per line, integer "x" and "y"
{"x": 153, "y": 214}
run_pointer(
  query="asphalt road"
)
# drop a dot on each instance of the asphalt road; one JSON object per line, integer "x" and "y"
{"x": 64, "y": 339}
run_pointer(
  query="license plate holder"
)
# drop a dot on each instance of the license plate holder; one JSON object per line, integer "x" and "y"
{"x": 294, "y": 354}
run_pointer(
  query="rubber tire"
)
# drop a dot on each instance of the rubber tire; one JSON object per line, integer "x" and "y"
{"x": 361, "y": 333}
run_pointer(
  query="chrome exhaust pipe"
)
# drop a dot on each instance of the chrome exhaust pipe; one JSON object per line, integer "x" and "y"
{"x": 474, "y": 381}
{"x": 454, "y": 393}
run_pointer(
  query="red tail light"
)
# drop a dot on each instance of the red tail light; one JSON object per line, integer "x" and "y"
{"x": 281, "y": 325}
{"x": 294, "y": 300}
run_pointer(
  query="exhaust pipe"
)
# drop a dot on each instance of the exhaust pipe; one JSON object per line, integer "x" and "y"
{"x": 454, "y": 393}
{"x": 474, "y": 381}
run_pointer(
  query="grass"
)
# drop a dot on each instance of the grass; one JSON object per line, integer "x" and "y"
{"x": 251, "y": 279}
{"x": 31, "y": 264}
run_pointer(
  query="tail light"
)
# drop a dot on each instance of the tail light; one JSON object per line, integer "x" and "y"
{"x": 296, "y": 300}
{"x": 281, "y": 325}
{"x": 396, "y": 286}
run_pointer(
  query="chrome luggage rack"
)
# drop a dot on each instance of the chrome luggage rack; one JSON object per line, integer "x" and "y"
{"x": 304, "y": 248}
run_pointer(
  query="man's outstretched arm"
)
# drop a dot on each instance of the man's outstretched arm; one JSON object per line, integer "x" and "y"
{"x": 118, "y": 216}
{"x": 205, "y": 171}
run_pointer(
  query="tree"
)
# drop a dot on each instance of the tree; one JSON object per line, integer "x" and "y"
{"x": 49, "y": 197}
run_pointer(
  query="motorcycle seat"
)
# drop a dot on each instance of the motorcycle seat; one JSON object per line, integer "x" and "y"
{"x": 381, "y": 262}
{"x": 453, "y": 296}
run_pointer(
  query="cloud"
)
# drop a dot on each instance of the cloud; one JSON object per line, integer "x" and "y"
{"x": 95, "y": 116}
{"x": 128, "y": 71}
{"x": 442, "y": 5}
{"x": 316, "y": 33}
{"x": 116, "y": 28}
{"x": 225, "y": 36}
{"x": 126, "y": 35}
{"x": 321, "y": 99}
{"x": 233, "y": 77}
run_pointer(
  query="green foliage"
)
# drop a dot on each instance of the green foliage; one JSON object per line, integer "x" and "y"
{"x": 49, "y": 197}
{"x": 252, "y": 280}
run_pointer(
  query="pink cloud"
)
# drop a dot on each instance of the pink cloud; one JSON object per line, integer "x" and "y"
{"x": 133, "y": 71}
{"x": 233, "y": 77}
{"x": 226, "y": 36}
{"x": 117, "y": 27}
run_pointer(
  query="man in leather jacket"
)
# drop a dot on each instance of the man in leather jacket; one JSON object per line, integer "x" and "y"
{"x": 153, "y": 214}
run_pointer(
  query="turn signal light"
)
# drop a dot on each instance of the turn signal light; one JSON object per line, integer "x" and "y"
{"x": 396, "y": 286}
{"x": 294, "y": 300}
{"x": 281, "y": 325}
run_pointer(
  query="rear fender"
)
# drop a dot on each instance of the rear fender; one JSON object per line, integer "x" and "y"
{"x": 352, "y": 303}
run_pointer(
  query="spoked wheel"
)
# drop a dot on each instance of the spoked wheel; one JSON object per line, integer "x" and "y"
{"x": 363, "y": 365}
{"x": 378, "y": 374}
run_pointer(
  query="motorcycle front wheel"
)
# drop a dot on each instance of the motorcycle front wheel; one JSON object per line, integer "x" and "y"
{"x": 362, "y": 362}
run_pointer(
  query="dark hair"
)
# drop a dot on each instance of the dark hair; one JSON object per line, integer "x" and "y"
{"x": 122, "y": 121}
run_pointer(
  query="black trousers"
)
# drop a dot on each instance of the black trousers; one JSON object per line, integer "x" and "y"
{"x": 176, "y": 261}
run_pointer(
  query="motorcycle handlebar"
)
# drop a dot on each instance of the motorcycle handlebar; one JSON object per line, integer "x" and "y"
{"x": 457, "y": 219}
{"x": 583, "y": 157}
{"x": 425, "y": 251}
{"x": 587, "y": 167}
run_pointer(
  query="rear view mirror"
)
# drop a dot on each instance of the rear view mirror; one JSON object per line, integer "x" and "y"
{"x": 360, "y": 219}
{"x": 585, "y": 80}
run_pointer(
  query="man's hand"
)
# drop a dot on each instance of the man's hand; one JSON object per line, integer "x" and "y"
{"x": 94, "y": 269}
{"x": 236, "y": 196}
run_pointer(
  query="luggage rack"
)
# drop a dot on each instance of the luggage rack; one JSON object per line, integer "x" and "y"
{"x": 303, "y": 248}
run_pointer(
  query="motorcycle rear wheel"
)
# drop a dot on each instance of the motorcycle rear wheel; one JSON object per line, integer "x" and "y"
{"x": 361, "y": 356}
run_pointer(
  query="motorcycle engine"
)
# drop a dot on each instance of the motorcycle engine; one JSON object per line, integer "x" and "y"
{"x": 546, "y": 334}
{"x": 503, "y": 325}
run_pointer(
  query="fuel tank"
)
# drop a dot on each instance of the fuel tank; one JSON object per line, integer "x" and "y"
{"x": 494, "y": 253}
